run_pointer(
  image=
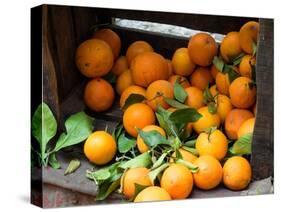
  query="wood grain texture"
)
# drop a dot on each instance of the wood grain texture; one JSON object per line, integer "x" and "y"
{"x": 262, "y": 148}
{"x": 63, "y": 44}
{"x": 209, "y": 23}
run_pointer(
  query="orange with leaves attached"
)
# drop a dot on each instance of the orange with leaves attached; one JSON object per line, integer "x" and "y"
{"x": 230, "y": 46}
{"x": 133, "y": 89}
{"x": 248, "y": 36}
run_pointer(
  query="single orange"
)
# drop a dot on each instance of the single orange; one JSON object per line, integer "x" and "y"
{"x": 246, "y": 127}
{"x": 248, "y": 36}
{"x": 214, "y": 71}
{"x": 237, "y": 173}
{"x": 214, "y": 143}
{"x": 246, "y": 66}
{"x": 157, "y": 91}
{"x": 137, "y": 116}
{"x": 177, "y": 180}
{"x": 182, "y": 64}
{"x": 194, "y": 98}
{"x": 202, "y": 49}
{"x": 230, "y": 46}
{"x": 206, "y": 121}
{"x": 223, "y": 83}
{"x": 98, "y": 95}
{"x": 124, "y": 81}
{"x": 210, "y": 172}
{"x": 120, "y": 66}
{"x": 242, "y": 92}
{"x": 94, "y": 58}
{"x": 224, "y": 106}
{"x": 152, "y": 193}
{"x": 201, "y": 78}
{"x": 100, "y": 147}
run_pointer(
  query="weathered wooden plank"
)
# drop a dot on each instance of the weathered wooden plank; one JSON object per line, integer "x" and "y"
{"x": 63, "y": 45}
{"x": 210, "y": 23}
{"x": 262, "y": 148}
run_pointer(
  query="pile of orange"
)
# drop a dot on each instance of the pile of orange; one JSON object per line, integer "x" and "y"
{"x": 145, "y": 72}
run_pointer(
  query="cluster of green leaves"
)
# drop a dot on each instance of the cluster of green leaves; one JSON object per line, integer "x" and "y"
{"x": 44, "y": 128}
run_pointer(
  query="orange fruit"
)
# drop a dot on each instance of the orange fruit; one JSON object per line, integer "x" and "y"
{"x": 170, "y": 67}
{"x": 137, "y": 116}
{"x": 182, "y": 80}
{"x": 134, "y": 175}
{"x": 213, "y": 90}
{"x": 177, "y": 180}
{"x": 237, "y": 173}
{"x": 100, "y": 147}
{"x": 157, "y": 91}
{"x": 111, "y": 38}
{"x": 137, "y": 48}
{"x": 98, "y": 95}
{"x": 234, "y": 120}
{"x": 246, "y": 127}
{"x": 152, "y": 193}
{"x": 213, "y": 143}
{"x": 120, "y": 66}
{"x": 224, "y": 106}
{"x": 248, "y": 35}
{"x": 214, "y": 71}
{"x": 94, "y": 58}
{"x": 222, "y": 83}
{"x": 206, "y": 121}
{"x": 148, "y": 67}
{"x": 132, "y": 89}
{"x": 242, "y": 92}
{"x": 142, "y": 147}
{"x": 186, "y": 155}
{"x": 201, "y": 78}
{"x": 245, "y": 66}
{"x": 194, "y": 98}
{"x": 124, "y": 81}
{"x": 230, "y": 46}
{"x": 202, "y": 49}
{"x": 210, "y": 172}
{"x": 182, "y": 64}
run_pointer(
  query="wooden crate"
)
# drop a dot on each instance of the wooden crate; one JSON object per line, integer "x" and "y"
{"x": 58, "y": 30}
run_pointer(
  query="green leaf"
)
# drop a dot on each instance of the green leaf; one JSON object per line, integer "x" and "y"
{"x": 54, "y": 162}
{"x": 142, "y": 160}
{"x": 254, "y": 47}
{"x": 106, "y": 189}
{"x": 104, "y": 174}
{"x": 236, "y": 61}
{"x": 72, "y": 167}
{"x": 159, "y": 161}
{"x": 153, "y": 138}
{"x": 163, "y": 119}
{"x": 153, "y": 174}
{"x": 189, "y": 165}
{"x": 191, "y": 150}
{"x": 243, "y": 146}
{"x": 43, "y": 126}
{"x": 125, "y": 143}
{"x": 208, "y": 97}
{"x": 132, "y": 99}
{"x": 175, "y": 103}
{"x": 218, "y": 62}
{"x": 117, "y": 131}
{"x": 78, "y": 127}
{"x": 185, "y": 115}
{"x": 110, "y": 77}
{"x": 179, "y": 92}
{"x": 232, "y": 74}
{"x": 178, "y": 154}
{"x": 190, "y": 143}
{"x": 212, "y": 107}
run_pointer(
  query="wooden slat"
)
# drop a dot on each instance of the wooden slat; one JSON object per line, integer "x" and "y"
{"x": 63, "y": 46}
{"x": 210, "y": 23}
{"x": 262, "y": 149}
